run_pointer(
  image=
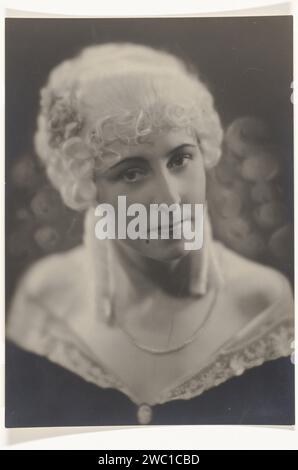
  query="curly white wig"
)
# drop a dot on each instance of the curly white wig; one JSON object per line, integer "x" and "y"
{"x": 116, "y": 91}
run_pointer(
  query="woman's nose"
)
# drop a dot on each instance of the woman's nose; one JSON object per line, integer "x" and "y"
{"x": 166, "y": 191}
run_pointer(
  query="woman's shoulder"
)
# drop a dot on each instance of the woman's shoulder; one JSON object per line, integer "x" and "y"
{"x": 264, "y": 311}
{"x": 46, "y": 291}
{"x": 52, "y": 271}
{"x": 248, "y": 280}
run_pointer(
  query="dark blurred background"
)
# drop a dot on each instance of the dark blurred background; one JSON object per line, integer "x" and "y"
{"x": 247, "y": 62}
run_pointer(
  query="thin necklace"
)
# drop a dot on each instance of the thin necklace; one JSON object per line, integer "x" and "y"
{"x": 185, "y": 343}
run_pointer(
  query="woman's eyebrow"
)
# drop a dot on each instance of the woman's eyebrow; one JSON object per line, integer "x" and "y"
{"x": 128, "y": 160}
{"x": 137, "y": 159}
{"x": 179, "y": 147}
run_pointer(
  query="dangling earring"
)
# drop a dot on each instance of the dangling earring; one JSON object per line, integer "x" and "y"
{"x": 103, "y": 296}
{"x": 109, "y": 280}
{"x": 100, "y": 262}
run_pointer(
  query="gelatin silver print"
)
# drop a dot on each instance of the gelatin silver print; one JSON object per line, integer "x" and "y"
{"x": 149, "y": 221}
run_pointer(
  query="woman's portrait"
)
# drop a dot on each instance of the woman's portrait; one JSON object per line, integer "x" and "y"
{"x": 125, "y": 330}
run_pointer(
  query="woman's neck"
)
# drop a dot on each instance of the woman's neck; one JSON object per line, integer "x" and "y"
{"x": 180, "y": 277}
{"x": 174, "y": 276}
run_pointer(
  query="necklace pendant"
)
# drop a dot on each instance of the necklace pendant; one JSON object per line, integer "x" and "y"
{"x": 144, "y": 414}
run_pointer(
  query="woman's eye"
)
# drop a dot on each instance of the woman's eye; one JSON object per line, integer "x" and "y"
{"x": 132, "y": 175}
{"x": 179, "y": 161}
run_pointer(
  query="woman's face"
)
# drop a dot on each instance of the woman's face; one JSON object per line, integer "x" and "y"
{"x": 167, "y": 168}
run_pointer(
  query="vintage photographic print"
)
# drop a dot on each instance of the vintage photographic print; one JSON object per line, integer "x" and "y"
{"x": 149, "y": 221}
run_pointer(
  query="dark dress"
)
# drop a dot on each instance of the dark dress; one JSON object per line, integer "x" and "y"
{"x": 41, "y": 393}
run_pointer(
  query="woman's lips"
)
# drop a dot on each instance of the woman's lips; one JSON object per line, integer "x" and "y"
{"x": 169, "y": 227}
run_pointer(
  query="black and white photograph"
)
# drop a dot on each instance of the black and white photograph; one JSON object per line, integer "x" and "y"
{"x": 149, "y": 221}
